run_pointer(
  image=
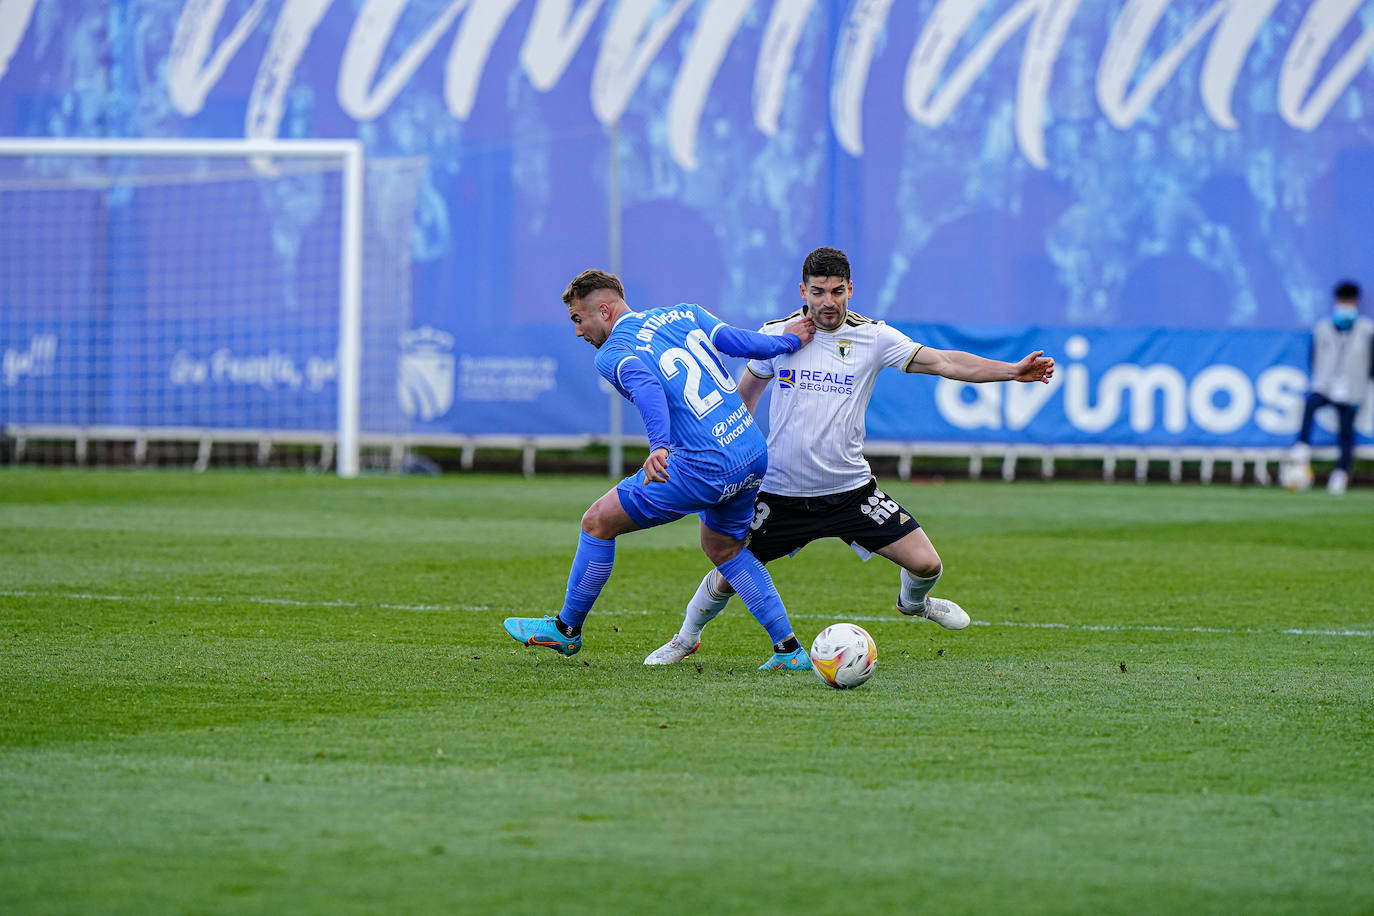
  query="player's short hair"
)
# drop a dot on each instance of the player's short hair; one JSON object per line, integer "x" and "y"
{"x": 588, "y": 282}
{"x": 1347, "y": 291}
{"x": 825, "y": 262}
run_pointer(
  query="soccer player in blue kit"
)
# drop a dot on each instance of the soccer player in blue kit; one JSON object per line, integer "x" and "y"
{"x": 706, "y": 454}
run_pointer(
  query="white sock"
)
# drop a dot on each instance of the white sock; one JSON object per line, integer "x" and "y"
{"x": 915, "y": 589}
{"x": 705, "y": 605}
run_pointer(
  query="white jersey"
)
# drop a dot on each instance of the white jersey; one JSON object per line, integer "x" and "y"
{"x": 816, "y": 418}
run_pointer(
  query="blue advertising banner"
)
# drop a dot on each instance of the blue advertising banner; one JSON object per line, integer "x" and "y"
{"x": 1111, "y": 387}
{"x": 142, "y": 373}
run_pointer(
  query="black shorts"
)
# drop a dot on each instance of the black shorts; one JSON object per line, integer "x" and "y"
{"x": 867, "y": 517}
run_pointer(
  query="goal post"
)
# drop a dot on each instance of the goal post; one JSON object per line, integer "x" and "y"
{"x": 204, "y": 262}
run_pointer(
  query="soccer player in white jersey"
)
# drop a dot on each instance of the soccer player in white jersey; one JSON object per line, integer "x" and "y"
{"x": 818, "y": 483}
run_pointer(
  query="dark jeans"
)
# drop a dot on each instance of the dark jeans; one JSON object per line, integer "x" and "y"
{"x": 1346, "y": 412}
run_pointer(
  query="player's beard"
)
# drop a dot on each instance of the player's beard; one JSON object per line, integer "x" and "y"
{"x": 839, "y": 321}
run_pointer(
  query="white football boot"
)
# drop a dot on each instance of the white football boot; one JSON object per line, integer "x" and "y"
{"x": 671, "y": 652}
{"x": 1336, "y": 483}
{"x": 941, "y": 610}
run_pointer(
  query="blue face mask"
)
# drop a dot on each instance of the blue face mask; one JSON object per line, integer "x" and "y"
{"x": 1344, "y": 316}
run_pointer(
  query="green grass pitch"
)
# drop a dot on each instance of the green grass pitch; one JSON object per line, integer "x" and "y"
{"x": 275, "y": 693}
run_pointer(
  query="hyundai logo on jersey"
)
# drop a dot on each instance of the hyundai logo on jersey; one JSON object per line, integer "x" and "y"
{"x": 787, "y": 378}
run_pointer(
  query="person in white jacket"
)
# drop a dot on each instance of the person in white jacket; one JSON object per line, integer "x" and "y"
{"x": 1342, "y": 364}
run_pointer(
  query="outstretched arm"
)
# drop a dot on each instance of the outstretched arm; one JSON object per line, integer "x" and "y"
{"x": 966, "y": 367}
{"x": 733, "y": 341}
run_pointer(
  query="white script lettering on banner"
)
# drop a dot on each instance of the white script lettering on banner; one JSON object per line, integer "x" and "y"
{"x": 270, "y": 371}
{"x": 638, "y": 30}
{"x": 40, "y": 359}
{"x": 1218, "y": 399}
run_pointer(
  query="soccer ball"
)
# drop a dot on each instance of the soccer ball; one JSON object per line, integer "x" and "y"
{"x": 1296, "y": 476}
{"x": 844, "y": 655}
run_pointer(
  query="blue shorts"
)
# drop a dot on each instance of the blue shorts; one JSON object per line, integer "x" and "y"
{"x": 724, "y": 502}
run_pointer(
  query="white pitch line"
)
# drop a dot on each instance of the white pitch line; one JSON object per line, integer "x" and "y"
{"x": 1107, "y": 627}
{"x": 251, "y": 599}
{"x": 1154, "y": 628}
{"x": 1078, "y": 627}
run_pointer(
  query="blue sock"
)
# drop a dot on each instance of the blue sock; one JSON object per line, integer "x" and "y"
{"x": 591, "y": 568}
{"x": 747, "y": 576}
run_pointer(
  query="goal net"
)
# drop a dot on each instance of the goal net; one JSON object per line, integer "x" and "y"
{"x": 212, "y": 302}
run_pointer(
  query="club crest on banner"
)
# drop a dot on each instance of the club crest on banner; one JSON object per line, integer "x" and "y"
{"x": 424, "y": 383}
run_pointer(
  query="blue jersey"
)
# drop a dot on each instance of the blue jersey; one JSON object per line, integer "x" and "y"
{"x": 709, "y": 424}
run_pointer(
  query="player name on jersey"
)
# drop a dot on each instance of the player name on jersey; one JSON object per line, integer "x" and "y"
{"x": 653, "y": 322}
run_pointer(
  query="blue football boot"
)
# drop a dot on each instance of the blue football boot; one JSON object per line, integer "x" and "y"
{"x": 542, "y": 631}
{"x": 796, "y": 660}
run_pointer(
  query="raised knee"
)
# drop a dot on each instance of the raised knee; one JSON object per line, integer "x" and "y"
{"x": 721, "y": 553}
{"x": 927, "y": 569}
{"x": 718, "y": 555}
{"x": 595, "y": 524}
